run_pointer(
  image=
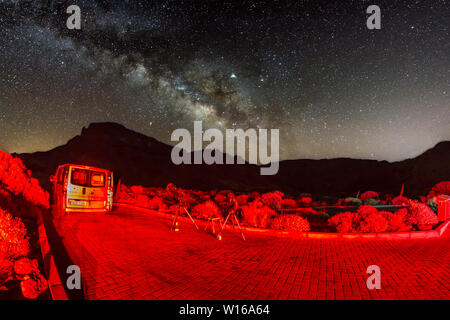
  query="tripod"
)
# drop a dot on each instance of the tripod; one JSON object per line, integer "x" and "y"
{"x": 175, "y": 220}
{"x": 231, "y": 215}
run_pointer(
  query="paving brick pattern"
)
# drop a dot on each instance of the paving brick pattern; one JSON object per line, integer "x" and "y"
{"x": 133, "y": 255}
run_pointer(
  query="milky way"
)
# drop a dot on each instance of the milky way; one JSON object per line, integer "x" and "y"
{"x": 309, "y": 68}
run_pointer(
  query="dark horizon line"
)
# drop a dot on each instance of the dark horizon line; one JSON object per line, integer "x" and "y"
{"x": 283, "y": 160}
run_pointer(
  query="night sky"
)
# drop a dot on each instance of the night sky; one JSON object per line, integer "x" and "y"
{"x": 309, "y": 68}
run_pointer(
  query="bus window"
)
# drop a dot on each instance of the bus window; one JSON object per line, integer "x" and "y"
{"x": 97, "y": 179}
{"x": 80, "y": 177}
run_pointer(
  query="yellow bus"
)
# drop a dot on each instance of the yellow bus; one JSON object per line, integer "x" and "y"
{"x": 78, "y": 188}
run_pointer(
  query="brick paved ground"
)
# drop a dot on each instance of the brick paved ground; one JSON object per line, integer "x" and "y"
{"x": 132, "y": 255}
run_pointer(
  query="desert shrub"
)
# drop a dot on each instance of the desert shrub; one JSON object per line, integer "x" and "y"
{"x": 366, "y": 210}
{"x": 342, "y": 222}
{"x": 189, "y": 198}
{"x": 304, "y": 199}
{"x": 433, "y": 205}
{"x": 421, "y": 215}
{"x": 366, "y": 219}
{"x": 242, "y": 199}
{"x": 373, "y": 222}
{"x": 353, "y": 201}
{"x": 371, "y": 202}
{"x": 400, "y": 201}
{"x": 272, "y": 199}
{"x": 16, "y": 178}
{"x": 137, "y": 189}
{"x": 6, "y": 268}
{"x": 440, "y": 188}
{"x": 397, "y": 221}
{"x": 33, "y": 285}
{"x": 206, "y": 210}
{"x": 142, "y": 200}
{"x": 156, "y": 203}
{"x": 369, "y": 195}
{"x": 221, "y": 200}
{"x": 205, "y": 197}
{"x": 257, "y": 214}
{"x": 13, "y": 237}
{"x": 288, "y": 203}
{"x": 31, "y": 280}
{"x": 369, "y": 219}
{"x": 253, "y": 196}
{"x": 25, "y": 266}
{"x": 124, "y": 194}
{"x": 290, "y": 223}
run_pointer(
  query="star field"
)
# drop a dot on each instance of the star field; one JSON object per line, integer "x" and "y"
{"x": 309, "y": 68}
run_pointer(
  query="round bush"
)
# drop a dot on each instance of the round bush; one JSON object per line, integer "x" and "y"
{"x": 440, "y": 188}
{"x": 13, "y": 237}
{"x": 206, "y": 210}
{"x": 369, "y": 195}
{"x": 342, "y": 222}
{"x": 421, "y": 215}
{"x": 257, "y": 215}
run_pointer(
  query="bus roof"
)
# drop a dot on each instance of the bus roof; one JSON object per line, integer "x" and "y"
{"x": 79, "y": 166}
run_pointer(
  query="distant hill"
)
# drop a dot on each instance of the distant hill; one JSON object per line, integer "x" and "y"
{"x": 140, "y": 160}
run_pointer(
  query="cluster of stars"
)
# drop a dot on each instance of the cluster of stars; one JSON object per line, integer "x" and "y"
{"x": 311, "y": 69}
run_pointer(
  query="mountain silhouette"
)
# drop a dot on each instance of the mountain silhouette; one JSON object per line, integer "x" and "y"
{"x": 137, "y": 159}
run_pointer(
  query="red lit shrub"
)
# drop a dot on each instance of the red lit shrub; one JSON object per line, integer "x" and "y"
{"x": 141, "y": 200}
{"x": 397, "y": 221}
{"x": 366, "y": 210}
{"x": 373, "y": 222}
{"x": 24, "y": 267}
{"x": 13, "y": 240}
{"x": 272, "y": 199}
{"x": 32, "y": 282}
{"x": 124, "y": 194}
{"x": 369, "y": 195}
{"x": 137, "y": 189}
{"x": 288, "y": 203}
{"x": 421, "y": 215}
{"x": 304, "y": 200}
{"x": 369, "y": 219}
{"x": 188, "y": 198}
{"x": 400, "y": 201}
{"x": 257, "y": 215}
{"x": 242, "y": 199}
{"x": 221, "y": 200}
{"x": 290, "y": 223}
{"x": 33, "y": 285}
{"x": 342, "y": 222}
{"x": 6, "y": 267}
{"x": 206, "y": 210}
{"x": 16, "y": 179}
{"x": 366, "y": 219}
{"x": 440, "y": 188}
{"x": 253, "y": 196}
{"x": 156, "y": 203}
